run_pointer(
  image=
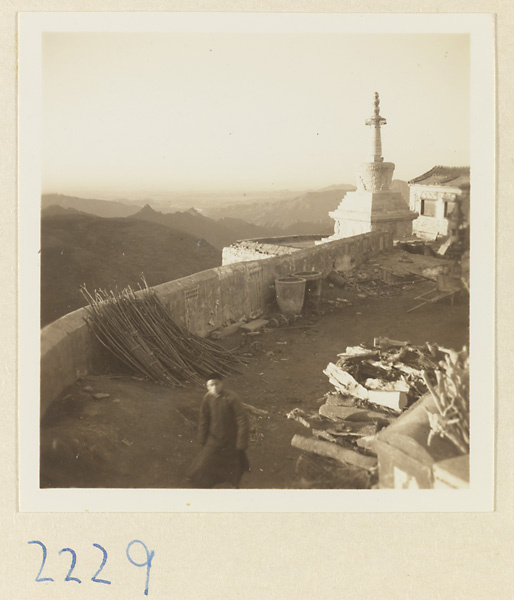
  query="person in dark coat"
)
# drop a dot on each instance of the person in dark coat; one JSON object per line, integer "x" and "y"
{"x": 223, "y": 435}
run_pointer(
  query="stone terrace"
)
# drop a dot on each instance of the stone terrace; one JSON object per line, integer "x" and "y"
{"x": 143, "y": 434}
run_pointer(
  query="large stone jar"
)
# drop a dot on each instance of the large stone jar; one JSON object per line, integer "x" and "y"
{"x": 290, "y": 293}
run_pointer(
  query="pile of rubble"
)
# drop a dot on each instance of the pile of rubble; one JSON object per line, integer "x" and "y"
{"x": 372, "y": 387}
{"x": 374, "y": 281}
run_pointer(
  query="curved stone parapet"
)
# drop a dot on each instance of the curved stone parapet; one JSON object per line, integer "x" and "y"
{"x": 202, "y": 302}
{"x": 375, "y": 176}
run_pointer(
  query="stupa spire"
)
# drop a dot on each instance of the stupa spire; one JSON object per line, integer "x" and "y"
{"x": 375, "y": 122}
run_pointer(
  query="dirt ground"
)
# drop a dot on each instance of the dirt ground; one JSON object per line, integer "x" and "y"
{"x": 144, "y": 434}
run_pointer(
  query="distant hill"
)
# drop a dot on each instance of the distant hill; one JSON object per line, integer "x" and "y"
{"x": 55, "y": 209}
{"x": 100, "y": 208}
{"x": 300, "y": 228}
{"x": 309, "y": 208}
{"x": 244, "y": 230}
{"x": 217, "y": 233}
{"x": 105, "y": 253}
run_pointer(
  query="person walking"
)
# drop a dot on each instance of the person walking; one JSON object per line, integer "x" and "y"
{"x": 223, "y": 435}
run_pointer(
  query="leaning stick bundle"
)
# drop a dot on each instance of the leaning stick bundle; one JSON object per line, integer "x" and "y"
{"x": 451, "y": 397}
{"x": 139, "y": 331}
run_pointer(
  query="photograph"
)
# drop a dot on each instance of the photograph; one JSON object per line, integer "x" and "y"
{"x": 254, "y": 259}
{"x": 256, "y": 299}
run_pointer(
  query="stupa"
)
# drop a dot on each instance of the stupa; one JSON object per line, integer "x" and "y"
{"x": 373, "y": 206}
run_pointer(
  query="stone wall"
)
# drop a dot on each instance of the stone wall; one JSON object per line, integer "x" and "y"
{"x": 202, "y": 302}
{"x": 363, "y": 211}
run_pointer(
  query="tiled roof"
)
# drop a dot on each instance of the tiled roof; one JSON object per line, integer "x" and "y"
{"x": 439, "y": 175}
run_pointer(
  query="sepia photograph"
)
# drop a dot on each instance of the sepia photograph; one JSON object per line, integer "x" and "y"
{"x": 256, "y": 299}
{"x": 258, "y": 250}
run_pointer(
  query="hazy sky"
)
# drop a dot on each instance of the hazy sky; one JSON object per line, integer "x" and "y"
{"x": 159, "y": 111}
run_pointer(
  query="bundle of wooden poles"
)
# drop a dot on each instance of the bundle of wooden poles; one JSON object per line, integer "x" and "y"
{"x": 451, "y": 397}
{"x": 139, "y": 331}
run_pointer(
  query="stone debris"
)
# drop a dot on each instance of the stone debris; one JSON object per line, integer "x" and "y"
{"x": 368, "y": 284}
{"x": 88, "y": 388}
{"x": 279, "y": 320}
{"x": 101, "y": 396}
{"x": 336, "y": 279}
{"x": 340, "y": 304}
{"x": 224, "y": 332}
{"x": 297, "y": 414}
{"x": 256, "y": 411}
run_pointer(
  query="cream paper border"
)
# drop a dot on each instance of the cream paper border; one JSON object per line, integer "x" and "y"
{"x": 480, "y": 496}
{"x": 273, "y": 556}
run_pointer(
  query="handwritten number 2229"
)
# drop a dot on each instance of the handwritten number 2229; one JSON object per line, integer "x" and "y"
{"x": 147, "y": 563}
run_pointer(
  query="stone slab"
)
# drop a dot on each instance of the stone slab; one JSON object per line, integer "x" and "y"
{"x": 226, "y": 331}
{"x": 254, "y": 325}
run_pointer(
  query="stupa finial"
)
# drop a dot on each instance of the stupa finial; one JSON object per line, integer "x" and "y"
{"x": 376, "y": 121}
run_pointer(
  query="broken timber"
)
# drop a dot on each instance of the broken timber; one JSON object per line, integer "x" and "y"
{"x": 344, "y": 382}
{"x": 336, "y": 413}
{"x": 333, "y": 450}
{"x": 446, "y": 287}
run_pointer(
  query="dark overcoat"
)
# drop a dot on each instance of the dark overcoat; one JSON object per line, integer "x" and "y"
{"x": 223, "y": 435}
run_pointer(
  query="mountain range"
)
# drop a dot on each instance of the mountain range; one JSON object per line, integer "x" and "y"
{"x": 105, "y": 244}
{"x": 306, "y": 213}
{"x": 92, "y": 206}
{"x": 218, "y": 233}
{"x": 309, "y": 208}
{"x": 104, "y": 253}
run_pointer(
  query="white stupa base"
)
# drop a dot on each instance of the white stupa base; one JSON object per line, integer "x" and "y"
{"x": 362, "y": 212}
